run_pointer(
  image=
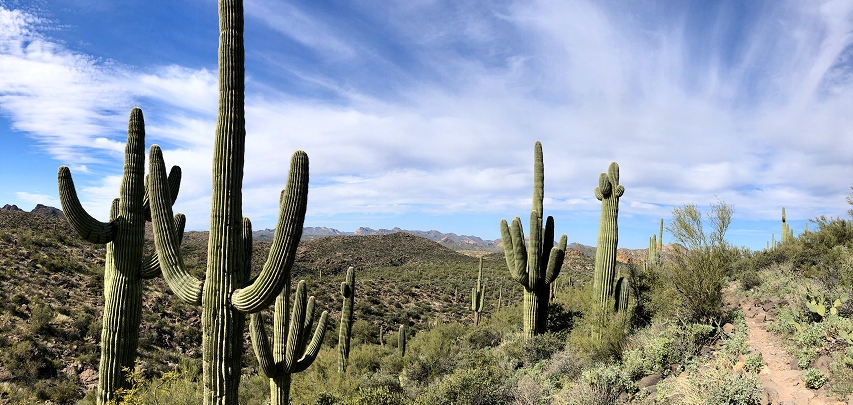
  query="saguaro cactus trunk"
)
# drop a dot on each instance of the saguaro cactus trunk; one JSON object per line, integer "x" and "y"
{"x": 125, "y": 264}
{"x": 534, "y": 268}
{"x": 478, "y": 295}
{"x": 345, "y": 331}
{"x": 608, "y": 192}
{"x": 225, "y": 296}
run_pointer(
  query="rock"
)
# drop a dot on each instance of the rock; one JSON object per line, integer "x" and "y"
{"x": 89, "y": 378}
{"x": 728, "y": 328}
{"x": 768, "y": 306}
{"x": 822, "y": 364}
{"x": 795, "y": 364}
{"x": 649, "y": 381}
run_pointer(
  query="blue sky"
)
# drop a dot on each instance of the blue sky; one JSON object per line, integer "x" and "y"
{"x": 423, "y": 114}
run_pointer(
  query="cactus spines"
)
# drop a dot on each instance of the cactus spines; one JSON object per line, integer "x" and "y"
{"x": 622, "y": 291}
{"x": 291, "y": 351}
{"x": 125, "y": 265}
{"x": 608, "y": 192}
{"x": 534, "y": 268}
{"x": 225, "y": 295}
{"x": 401, "y": 340}
{"x": 345, "y": 330}
{"x": 478, "y": 295}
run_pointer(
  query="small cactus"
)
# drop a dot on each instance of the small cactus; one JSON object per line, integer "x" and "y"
{"x": 345, "y": 330}
{"x": 478, "y": 295}
{"x": 294, "y": 354}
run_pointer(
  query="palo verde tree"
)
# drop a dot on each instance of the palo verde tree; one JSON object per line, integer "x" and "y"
{"x": 698, "y": 268}
{"x": 225, "y": 296}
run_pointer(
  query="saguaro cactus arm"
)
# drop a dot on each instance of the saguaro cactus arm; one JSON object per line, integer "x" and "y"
{"x": 89, "y": 228}
{"x": 150, "y": 265}
{"x": 293, "y": 203}
{"x": 515, "y": 251}
{"x": 555, "y": 260}
{"x": 166, "y": 241}
{"x": 297, "y": 357}
{"x": 174, "y": 188}
{"x": 261, "y": 345}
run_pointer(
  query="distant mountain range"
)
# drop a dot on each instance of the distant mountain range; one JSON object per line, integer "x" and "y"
{"x": 43, "y": 210}
{"x": 449, "y": 240}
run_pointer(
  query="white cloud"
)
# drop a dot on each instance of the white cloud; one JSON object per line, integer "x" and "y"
{"x": 48, "y": 200}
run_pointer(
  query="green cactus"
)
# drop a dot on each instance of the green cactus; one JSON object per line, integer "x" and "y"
{"x": 659, "y": 248}
{"x": 608, "y": 192}
{"x": 622, "y": 292}
{"x": 293, "y": 355}
{"x": 478, "y": 295}
{"x": 345, "y": 331}
{"x": 773, "y": 240}
{"x": 784, "y": 227}
{"x": 401, "y": 340}
{"x": 534, "y": 268}
{"x": 225, "y": 296}
{"x": 126, "y": 266}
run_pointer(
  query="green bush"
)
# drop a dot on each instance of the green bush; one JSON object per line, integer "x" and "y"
{"x": 753, "y": 362}
{"x": 698, "y": 271}
{"x": 469, "y": 387}
{"x": 376, "y": 396}
{"x": 814, "y": 378}
{"x": 601, "y": 384}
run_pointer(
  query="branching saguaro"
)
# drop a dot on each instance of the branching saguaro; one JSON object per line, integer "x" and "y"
{"x": 225, "y": 296}
{"x": 126, "y": 266}
{"x": 534, "y": 268}
{"x": 293, "y": 355}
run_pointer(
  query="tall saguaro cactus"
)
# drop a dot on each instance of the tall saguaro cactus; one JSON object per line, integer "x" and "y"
{"x": 659, "y": 248}
{"x": 294, "y": 354}
{"x": 608, "y": 192}
{"x": 478, "y": 295}
{"x": 402, "y": 338}
{"x": 784, "y": 227}
{"x": 345, "y": 331}
{"x": 621, "y": 295}
{"x": 126, "y": 266}
{"x": 534, "y": 268}
{"x": 225, "y": 296}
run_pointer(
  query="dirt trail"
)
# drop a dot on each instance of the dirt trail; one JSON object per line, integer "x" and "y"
{"x": 783, "y": 384}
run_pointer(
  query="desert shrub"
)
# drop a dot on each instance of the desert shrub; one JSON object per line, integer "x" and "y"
{"x": 698, "y": 271}
{"x": 376, "y": 396}
{"x": 469, "y": 387}
{"x": 841, "y": 371}
{"x": 40, "y": 318}
{"x": 599, "y": 385}
{"x": 814, "y": 378}
{"x": 564, "y": 365}
{"x": 539, "y": 347}
{"x": 431, "y": 354}
{"x": 749, "y": 279}
{"x": 531, "y": 389}
{"x": 715, "y": 385}
{"x": 753, "y": 362}
{"x": 483, "y": 336}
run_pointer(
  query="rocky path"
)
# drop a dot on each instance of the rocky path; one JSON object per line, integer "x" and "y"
{"x": 781, "y": 378}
